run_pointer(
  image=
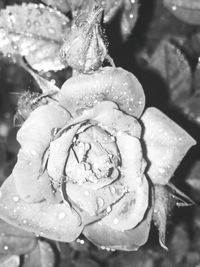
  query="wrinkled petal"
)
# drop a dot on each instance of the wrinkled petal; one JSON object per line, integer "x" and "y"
{"x": 95, "y": 201}
{"x": 103, "y": 235}
{"x": 58, "y": 221}
{"x": 34, "y": 138}
{"x": 130, "y": 210}
{"x": 113, "y": 84}
{"x": 166, "y": 145}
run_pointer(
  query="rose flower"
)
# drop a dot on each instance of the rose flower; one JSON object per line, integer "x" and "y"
{"x": 95, "y": 163}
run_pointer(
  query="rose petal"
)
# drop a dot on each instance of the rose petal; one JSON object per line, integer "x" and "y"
{"x": 59, "y": 149}
{"x": 57, "y": 221}
{"x": 114, "y": 120}
{"x": 34, "y": 137}
{"x": 130, "y": 210}
{"x": 133, "y": 164}
{"x": 114, "y": 84}
{"x": 103, "y": 235}
{"x": 95, "y": 201}
{"x": 166, "y": 145}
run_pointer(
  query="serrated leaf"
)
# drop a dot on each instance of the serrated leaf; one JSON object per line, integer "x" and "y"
{"x": 34, "y": 31}
{"x": 9, "y": 261}
{"x": 129, "y": 17}
{"x": 42, "y": 256}
{"x": 185, "y": 10}
{"x": 171, "y": 64}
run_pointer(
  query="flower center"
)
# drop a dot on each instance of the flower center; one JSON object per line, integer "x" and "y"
{"x": 93, "y": 156}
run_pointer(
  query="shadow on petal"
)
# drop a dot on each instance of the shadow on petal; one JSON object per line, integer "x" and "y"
{"x": 166, "y": 145}
{"x": 54, "y": 221}
{"x": 102, "y": 235}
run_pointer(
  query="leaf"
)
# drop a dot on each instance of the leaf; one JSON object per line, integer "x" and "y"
{"x": 186, "y": 10}
{"x": 33, "y": 31}
{"x": 171, "y": 64}
{"x": 14, "y": 240}
{"x": 42, "y": 256}
{"x": 62, "y": 5}
{"x": 129, "y": 17}
{"x": 9, "y": 261}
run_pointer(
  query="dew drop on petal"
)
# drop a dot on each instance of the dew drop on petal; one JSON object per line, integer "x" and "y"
{"x": 15, "y": 198}
{"x": 5, "y": 247}
{"x": 108, "y": 209}
{"x": 174, "y": 8}
{"x": 100, "y": 202}
{"x": 112, "y": 190}
{"x": 28, "y": 23}
{"x": 86, "y": 193}
{"x": 61, "y": 216}
{"x": 115, "y": 221}
{"x": 33, "y": 152}
{"x": 51, "y": 30}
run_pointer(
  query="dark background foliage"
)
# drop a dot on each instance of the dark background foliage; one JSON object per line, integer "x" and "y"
{"x": 163, "y": 51}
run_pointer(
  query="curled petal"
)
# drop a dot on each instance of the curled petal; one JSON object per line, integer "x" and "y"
{"x": 113, "y": 84}
{"x": 132, "y": 161}
{"x": 34, "y": 138}
{"x": 103, "y": 235}
{"x": 95, "y": 201}
{"x": 166, "y": 145}
{"x": 59, "y": 150}
{"x": 54, "y": 221}
{"x": 130, "y": 210}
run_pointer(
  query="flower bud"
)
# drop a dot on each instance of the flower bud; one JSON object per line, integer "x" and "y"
{"x": 84, "y": 48}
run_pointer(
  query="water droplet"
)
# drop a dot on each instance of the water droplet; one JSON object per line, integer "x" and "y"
{"x": 36, "y": 23}
{"x": 51, "y": 30}
{"x": 5, "y": 247}
{"x": 161, "y": 170}
{"x": 112, "y": 189}
{"x": 80, "y": 241}
{"x": 15, "y": 47}
{"x": 24, "y": 221}
{"x": 86, "y": 193}
{"x": 100, "y": 202}
{"x": 28, "y": 23}
{"x": 33, "y": 152}
{"x": 131, "y": 16}
{"x": 108, "y": 209}
{"x": 61, "y": 216}
{"x": 29, "y": 163}
{"x": 16, "y": 198}
{"x": 174, "y": 8}
{"x": 115, "y": 221}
